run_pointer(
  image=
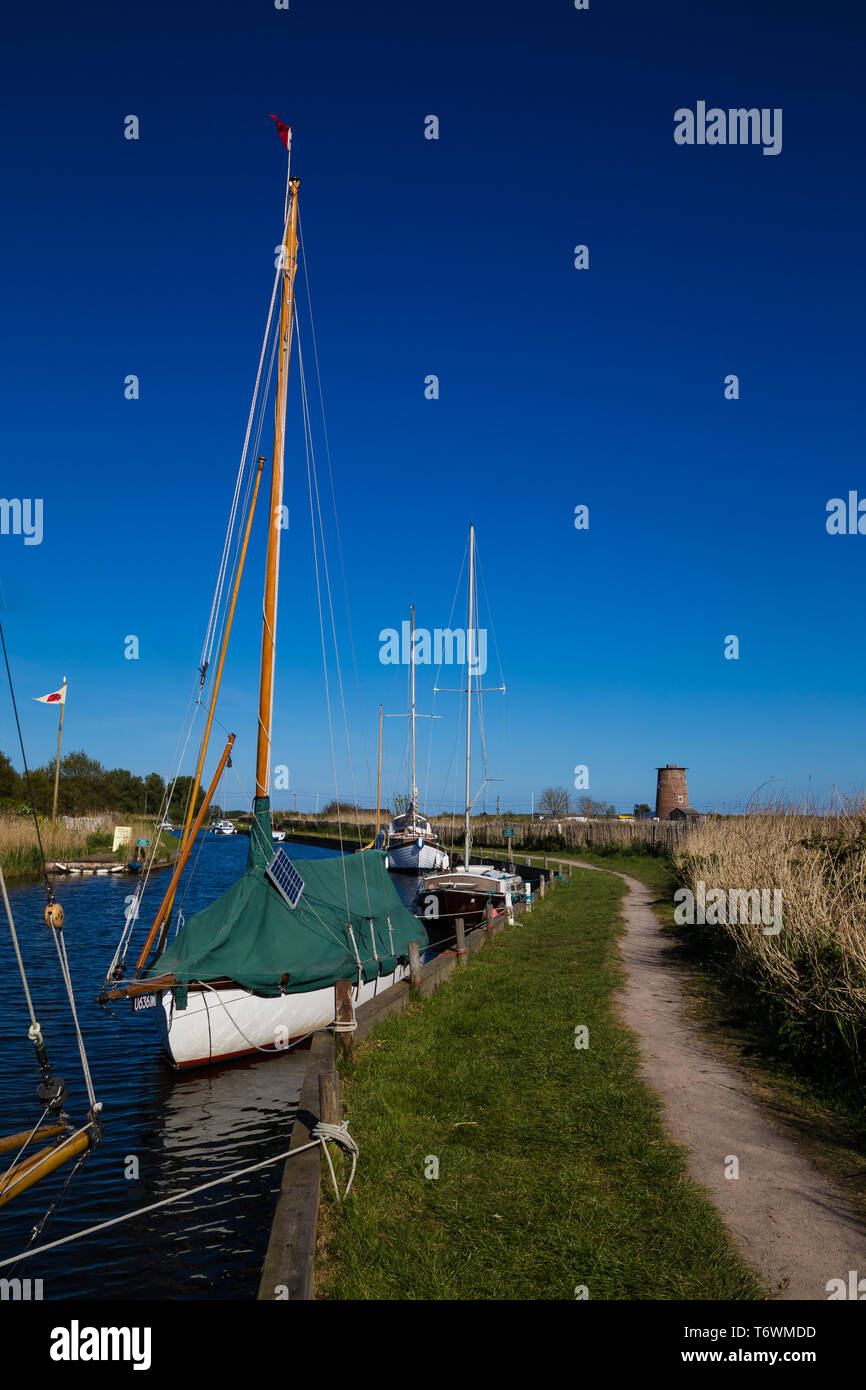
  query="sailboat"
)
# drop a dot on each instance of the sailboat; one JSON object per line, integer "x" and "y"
{"x": 411, "y": 844}
{"x": 257, "y": 970}
{"x": 466, "y": 889}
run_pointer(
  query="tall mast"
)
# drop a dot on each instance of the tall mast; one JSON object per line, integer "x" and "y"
{"x": 412, "y": 708}
{"x": 269, "y": 620}
{"x": 469, "y": 685}
{"x": 379, "y": 777}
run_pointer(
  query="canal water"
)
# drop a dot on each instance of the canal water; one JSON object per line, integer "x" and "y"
{"x": 164, "y": 1131}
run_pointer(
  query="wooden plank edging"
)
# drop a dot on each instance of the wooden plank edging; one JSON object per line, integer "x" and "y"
{"x": 287, "y": 1272}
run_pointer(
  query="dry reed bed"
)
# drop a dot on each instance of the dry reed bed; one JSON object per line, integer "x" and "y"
{"x": 812, "y": 974}
{"x": 19, "y": 851}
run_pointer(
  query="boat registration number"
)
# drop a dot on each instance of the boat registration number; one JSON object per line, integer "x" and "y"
{"x": 143, "y": 1001}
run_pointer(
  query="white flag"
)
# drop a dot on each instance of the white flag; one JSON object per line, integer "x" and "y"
{"x": 57, "y": 697}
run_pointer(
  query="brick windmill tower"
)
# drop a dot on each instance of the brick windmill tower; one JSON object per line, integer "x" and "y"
{"x": 671, "y": 790}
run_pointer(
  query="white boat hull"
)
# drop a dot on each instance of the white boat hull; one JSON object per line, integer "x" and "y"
{"x": 221, "y": 1023}
{"x": 415, "y": 858}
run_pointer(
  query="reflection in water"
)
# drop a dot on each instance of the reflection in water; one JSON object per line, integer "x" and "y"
{"x": 164, "y": 1131}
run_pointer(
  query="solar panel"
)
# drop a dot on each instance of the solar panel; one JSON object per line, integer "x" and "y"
{"x": 284, "y": 876}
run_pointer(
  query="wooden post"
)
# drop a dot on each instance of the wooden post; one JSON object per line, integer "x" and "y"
{"x": 488, "y": 916}
{"x": 330, "y": 1106}
{"x": 461, "y": 939}
{"x": 541, "y": 888}
{"x": 414, "y": 964}
{"x": 344, "y": 1012}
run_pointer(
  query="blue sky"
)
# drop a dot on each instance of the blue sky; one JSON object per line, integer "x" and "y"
{"x": 557, "y": 387}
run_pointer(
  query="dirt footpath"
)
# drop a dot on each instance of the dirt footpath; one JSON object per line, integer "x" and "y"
{"x": 789, "y": 1221}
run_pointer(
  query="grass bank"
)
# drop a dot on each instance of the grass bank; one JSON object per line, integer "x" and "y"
{"x": 554, "y": 1171}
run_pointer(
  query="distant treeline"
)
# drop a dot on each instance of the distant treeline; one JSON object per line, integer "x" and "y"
{"x": 87, "y": 787}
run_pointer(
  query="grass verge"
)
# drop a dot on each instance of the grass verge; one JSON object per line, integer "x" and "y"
{"x": 554, "y": 1171}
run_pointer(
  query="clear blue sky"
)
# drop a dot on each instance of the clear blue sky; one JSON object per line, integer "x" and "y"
{"x": 558, "y": 386}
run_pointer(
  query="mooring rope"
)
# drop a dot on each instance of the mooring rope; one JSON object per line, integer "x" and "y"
{"x": 338, "y": 1133}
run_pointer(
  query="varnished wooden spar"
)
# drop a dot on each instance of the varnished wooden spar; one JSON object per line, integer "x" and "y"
{"x": 12, "y": 1142}
{"x": 140, "y": 987}
{"x": 269, "y": 623}
{"x": 40, "y": 1165}
{"x": 222, "y": 656}
{"x": 183, "y": 857}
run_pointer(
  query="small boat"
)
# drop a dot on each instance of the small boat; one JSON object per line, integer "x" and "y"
{"x": 278, "y": 836}
{"x": 411, "y": 844}
{"x": 467, "y": 889}
{"x": 224, "y": 827}
{"x": 166, "y": 825}
{"x": 466, "y": 893}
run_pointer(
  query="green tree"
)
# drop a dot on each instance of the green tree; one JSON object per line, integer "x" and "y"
{"x": 82, "y": 784}
{"x": 10, "y": 783}
{"x": 154, "y": 788}
{"x": 124, "y": 792}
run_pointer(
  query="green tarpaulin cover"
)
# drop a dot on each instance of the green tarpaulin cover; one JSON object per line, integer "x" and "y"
{"x": 251, "y": 935}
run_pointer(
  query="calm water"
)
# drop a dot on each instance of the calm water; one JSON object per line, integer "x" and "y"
{"x": 182, "y": 1128}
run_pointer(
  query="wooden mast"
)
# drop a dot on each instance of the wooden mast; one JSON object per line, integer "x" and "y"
{"x": 469, "y": 688}
{"x": 269, "y": 619}
{"x": 412, "y": 712}
{"x": 57, "y": 764}
{"x": 379, "y": 776}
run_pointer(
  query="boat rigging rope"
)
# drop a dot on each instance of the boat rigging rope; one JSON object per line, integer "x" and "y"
{"x": 316, "y": 512}
{"x": 334, "y": 497}
{"x": 310, "y": 464}
{"x": 17, "y": 1158}
{"x": 214, "y": 629}
{"x": 34, "y": 1026}
{"x": 338, "y": 1133}
{"x": 210, "y": 635}
{"x": 56, "y": 1203}
{"x": 60, "y": 943}
{"x": 56, "y": 927}
{"x": 26, "y": 768}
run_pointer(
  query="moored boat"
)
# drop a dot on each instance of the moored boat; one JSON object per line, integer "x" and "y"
{"x": 224, "y": 827}
{"x": 259, "y": 968}
{"x": 411, "y": 844}
{"x": 467, "y": 889}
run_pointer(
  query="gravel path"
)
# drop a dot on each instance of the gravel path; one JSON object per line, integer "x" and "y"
{"x": 788, "y": 1219}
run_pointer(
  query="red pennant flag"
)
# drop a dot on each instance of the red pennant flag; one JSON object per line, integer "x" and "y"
{"x": 285, "y": 131}
{"x": 57, "y": 697}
